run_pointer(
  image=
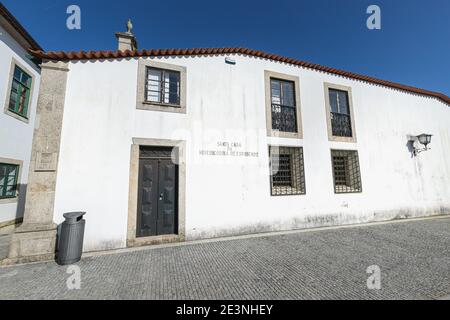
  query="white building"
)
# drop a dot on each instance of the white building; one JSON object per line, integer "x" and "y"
{"x": 19, "y": 88}
{"x": 347, "y": 150}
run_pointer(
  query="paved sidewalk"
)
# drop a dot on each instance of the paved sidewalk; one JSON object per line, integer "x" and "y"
{"x": 414, "y": 258}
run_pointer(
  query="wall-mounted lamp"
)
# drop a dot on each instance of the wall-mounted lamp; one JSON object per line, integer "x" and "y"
{"x": 424, "y": 139}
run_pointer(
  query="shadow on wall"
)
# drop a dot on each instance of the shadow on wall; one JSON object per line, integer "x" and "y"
{"x": 410, "y": 146}
{"x": 57, "y": 244}
{"x": 21, "y": 201}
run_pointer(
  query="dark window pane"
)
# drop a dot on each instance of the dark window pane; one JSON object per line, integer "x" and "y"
{"x": 11, "y": 180}
{"x": 26, "y": 79}
{"x": 340, "y": 113}
{"x": 20, "y": 92}
{"x": 163, "y": 86}
{"x": 22, "y": 101}
{"x": 341, "y": 125}
{"x": 284, "y": 115}
{"x": 173, "y": 98}
{"x": 12, "y": 101}
{"x": 339, "y": 101}
{"x": 10, "y": 191}
{"x": 284, "y": 118}
{"x": 275, "y": 87}
{"x": 343, "y": 102}
{"x": 281, "y": 174}
{"x": 8, "y": 180}
{"x": 288, "y": 98}
{"x": 12, "y": 170}
{"x": 22, "y": 77}
{"x": 174, "y": 82}
{"x": 333, "y": 100}
{"x": 15, "y": 86}
{"x": 174, "y": 77}
{"x": 17, "y": 73}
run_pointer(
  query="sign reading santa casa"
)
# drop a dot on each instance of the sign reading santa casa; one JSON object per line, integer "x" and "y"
{"x": 232, "y": 149}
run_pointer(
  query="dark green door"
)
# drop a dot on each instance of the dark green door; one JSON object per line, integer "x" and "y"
{"x": 157, "y": 197}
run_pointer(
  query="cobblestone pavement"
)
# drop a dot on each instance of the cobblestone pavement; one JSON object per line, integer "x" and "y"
{"x": 414, "y": 258}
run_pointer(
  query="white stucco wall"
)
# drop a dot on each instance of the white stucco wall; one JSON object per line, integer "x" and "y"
{"x": 15, "y": 136}
{"x": 100, "y": 120}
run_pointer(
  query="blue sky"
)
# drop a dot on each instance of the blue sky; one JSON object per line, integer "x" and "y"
{"x": 413, "y": 46}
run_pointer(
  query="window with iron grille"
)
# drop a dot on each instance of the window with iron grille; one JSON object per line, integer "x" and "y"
{"x": 346, "y": 173}
{"x": 287, "y": 171}
{"x": 163, "y": 86}
{"x": 341, "y": 124}
{"x": 8, "y": 180}
{"x": 284, "y": 114}
{"x": 20, "y": 92}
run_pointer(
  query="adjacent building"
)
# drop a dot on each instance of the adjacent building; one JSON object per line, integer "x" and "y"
{"x": 183, "y": 144}
{"x": 19, "y": 88}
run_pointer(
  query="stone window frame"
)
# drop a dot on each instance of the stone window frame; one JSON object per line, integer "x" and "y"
{"x": 142, "y": 104}
{"x": 268, "y": 98}
{"x": 14, "y": 63}
{"x": 132, "y": 239}
{"x": 331, "y": 137}
{"x": 18, "y": 181}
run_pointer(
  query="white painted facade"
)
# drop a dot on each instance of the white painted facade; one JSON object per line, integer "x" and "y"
{"x": 15, "y": 135}
{"x": 228, "y": 196}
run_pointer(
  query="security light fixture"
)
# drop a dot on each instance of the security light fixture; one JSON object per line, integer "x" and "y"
{"x": 230, "y": 60}
{"x": 424, "y": 139}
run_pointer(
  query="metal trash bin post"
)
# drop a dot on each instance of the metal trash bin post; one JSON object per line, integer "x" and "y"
{"x": 70, "y": 243}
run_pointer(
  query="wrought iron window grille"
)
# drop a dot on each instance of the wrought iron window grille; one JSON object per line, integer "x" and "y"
{"x": 287, "y": 171}
{"x": 163, "y": 86}
{"x": 346, "y": 171}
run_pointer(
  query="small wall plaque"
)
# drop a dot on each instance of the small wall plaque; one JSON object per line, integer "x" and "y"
{"x": 46, "y": 161}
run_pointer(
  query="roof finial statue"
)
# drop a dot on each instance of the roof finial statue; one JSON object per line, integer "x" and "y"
{"x": 129, "y": 26}
{"x": 126, "y": 40}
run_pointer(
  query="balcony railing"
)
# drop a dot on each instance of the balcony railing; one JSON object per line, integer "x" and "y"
{"x": 341, "y": 125}
{"x": 284, "y": 118}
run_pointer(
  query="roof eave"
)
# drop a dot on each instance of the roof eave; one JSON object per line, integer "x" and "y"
{"x": 92, "y": 55}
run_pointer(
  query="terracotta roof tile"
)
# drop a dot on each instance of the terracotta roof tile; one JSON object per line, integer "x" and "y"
{"x": 208, "y": 51}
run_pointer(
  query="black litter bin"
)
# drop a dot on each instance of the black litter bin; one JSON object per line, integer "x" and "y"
{"x": 70, "y": 242}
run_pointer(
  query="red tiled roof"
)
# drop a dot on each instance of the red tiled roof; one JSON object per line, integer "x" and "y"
{"x": 18, "y": 27}
{"x": 82, "y": 55}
